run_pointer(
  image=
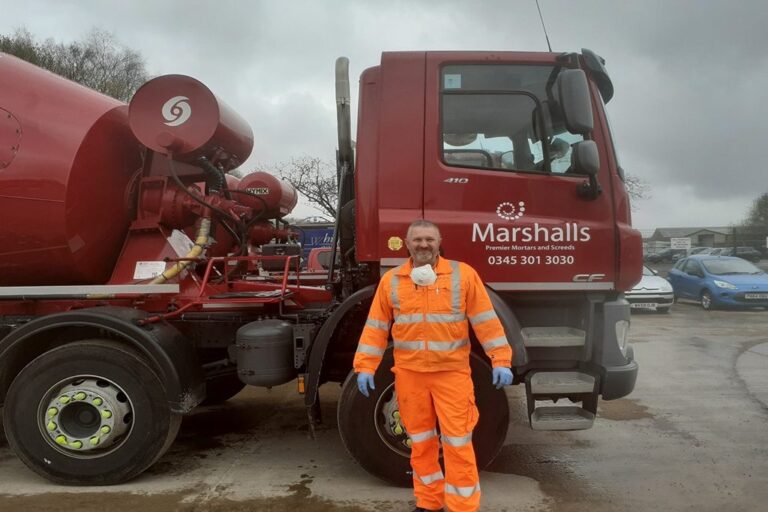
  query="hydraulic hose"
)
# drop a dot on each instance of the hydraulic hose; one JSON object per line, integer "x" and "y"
{"x": 200, "y": 243}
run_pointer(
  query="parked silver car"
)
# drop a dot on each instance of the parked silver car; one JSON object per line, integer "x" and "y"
{"x": 652, "y": 292}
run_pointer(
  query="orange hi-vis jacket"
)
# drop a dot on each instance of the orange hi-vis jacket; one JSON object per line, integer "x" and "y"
{"x": 429, "y": 323}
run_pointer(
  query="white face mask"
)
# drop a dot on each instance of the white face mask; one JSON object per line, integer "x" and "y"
{"x": 423, "y": 275}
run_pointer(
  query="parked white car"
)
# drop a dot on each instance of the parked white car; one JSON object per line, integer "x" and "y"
{"x": 653, "y": 292}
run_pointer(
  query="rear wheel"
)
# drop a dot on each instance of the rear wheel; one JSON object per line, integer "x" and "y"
{"x": 706, "y": 300}
{"x": 372, "y": 433}
{"x": 89, "y": 413}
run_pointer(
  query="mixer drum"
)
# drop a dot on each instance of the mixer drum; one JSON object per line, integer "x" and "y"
{"x": 64, "y": 200}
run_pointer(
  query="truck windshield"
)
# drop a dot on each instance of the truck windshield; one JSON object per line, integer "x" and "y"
{"x": 491, "y": 117}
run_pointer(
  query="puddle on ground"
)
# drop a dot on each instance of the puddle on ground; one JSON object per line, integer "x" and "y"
{"x": 623, "y": 409}
{"x": 301, "y": 499}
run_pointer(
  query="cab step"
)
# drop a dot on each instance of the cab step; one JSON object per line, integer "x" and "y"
{"x": 561, "y": 418}
{"x": 562, "y": 383}
{"x": 553, "y": 337}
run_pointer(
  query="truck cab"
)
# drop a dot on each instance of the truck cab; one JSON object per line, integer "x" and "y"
{"x": 511, "y": 155}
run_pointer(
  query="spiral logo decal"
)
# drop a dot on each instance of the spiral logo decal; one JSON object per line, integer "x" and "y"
{"x": 509, "y": 211}
{"x": 177, "y": 110}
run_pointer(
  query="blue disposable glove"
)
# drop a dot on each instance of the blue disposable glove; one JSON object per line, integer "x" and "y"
{"x": 365, "y": 382}
{"x": 501, "y": 377}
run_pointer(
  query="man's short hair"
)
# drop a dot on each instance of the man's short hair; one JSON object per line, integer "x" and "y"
{"x": 423, "y": 223}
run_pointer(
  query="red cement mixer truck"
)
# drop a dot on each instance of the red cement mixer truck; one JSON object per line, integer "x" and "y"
{"x": 139, "y": 279}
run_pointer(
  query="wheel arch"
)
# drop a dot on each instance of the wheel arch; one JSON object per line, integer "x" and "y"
{"x": 324, "y": 337}
{"x": 166, "y": 349}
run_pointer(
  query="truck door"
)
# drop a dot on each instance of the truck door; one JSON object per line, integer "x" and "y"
{"x": 503, "y": 207}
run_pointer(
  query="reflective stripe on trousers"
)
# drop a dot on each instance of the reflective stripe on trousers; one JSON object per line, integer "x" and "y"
{"x": 423, "y": 399}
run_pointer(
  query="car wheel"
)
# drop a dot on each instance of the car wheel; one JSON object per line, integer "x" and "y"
{"x": 706, "y": 300}
{"x": 372, "y": 433}
{"x": 89, "y": 413}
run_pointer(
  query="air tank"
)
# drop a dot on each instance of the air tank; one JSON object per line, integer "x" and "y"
{"x": 67, "y": 158}
{"x": 265, "y": 353}
{"x": 272, "y": 197}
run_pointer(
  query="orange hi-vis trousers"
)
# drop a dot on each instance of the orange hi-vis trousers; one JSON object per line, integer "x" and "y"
{"x": 448, "y": 397}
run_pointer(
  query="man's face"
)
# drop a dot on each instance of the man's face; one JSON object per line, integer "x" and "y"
{"x": 424, "y": 245}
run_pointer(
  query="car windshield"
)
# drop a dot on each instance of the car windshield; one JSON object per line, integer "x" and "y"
{"x": 734, "y": 266}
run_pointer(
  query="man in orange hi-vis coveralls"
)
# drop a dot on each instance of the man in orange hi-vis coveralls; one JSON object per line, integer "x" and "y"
{"x": 427, "y": 302}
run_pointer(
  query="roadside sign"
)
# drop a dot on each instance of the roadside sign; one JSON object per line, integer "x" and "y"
{"x": 680, "y": 243}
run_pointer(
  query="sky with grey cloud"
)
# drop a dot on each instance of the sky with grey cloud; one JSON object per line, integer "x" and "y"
{"x": 690, "y": 76}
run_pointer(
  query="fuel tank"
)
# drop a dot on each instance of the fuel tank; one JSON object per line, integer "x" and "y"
{"x": 67, "y": 160}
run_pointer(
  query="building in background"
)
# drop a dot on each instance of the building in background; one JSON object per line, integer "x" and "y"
{"x": 730, "y": 236}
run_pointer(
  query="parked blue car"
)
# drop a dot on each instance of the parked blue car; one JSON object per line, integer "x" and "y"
{"x": 719, "y": 281}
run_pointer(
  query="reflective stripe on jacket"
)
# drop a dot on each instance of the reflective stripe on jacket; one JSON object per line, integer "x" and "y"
{"x": 430, "y": 324}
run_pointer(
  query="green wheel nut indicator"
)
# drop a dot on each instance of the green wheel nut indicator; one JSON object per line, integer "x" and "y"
{"x": 64, "y": 399}
{"x": 106, "y": 414}
{"x": 51, "y": 426}
{"x": 105, "y": 429}
{"x": 97, "y": 401}
{"x": 79, "y": 396}
{"x": 61, "y": 440}
{"x": 53, "y": 412}
{"x": 76, "y": 444}
{"x": 94, "y": 440}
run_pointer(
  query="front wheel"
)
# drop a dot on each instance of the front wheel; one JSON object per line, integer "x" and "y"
{"x": 89, "y": 413}
{"x": 372, "y": 433}
{"x": 706, "y": 300}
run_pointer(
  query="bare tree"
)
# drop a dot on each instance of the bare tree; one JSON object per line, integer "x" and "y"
{"x": 315, "y": 179}
{"x": 758, "y": 212}
{"x": 97, "y": 61}
{"x": 637, "y": 188}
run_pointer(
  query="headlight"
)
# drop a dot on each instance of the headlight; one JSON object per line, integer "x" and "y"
{"x": 622, "y": 335}
{"x": 723, "y": 284}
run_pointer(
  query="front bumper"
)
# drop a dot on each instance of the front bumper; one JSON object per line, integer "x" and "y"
{"x": 651, "y": 300}
{"x": 619, "y": 381}
{"x": 738, "y": 299}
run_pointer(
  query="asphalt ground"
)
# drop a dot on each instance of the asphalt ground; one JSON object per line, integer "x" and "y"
{"x": 692, "y": 436}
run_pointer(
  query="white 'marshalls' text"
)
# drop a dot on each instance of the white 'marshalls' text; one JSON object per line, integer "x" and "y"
{"x": 571, "y": 232}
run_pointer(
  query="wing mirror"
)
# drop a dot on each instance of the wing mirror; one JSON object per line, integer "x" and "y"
{"x": 574, "y": 100}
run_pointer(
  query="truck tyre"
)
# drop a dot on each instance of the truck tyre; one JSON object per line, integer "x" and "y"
{"x": 89, "y": 413}
{"x": 221, "y": 388}
{"x": 381, "y": 448}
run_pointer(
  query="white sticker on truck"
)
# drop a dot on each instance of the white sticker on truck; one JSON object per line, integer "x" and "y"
{"x": 148, "y": 269}
{"x": 181, "y": 243}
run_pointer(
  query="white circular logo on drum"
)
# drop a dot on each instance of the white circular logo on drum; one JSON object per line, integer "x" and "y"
{"x": 177, "y": 110}
{"x": 509, "y": 211}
